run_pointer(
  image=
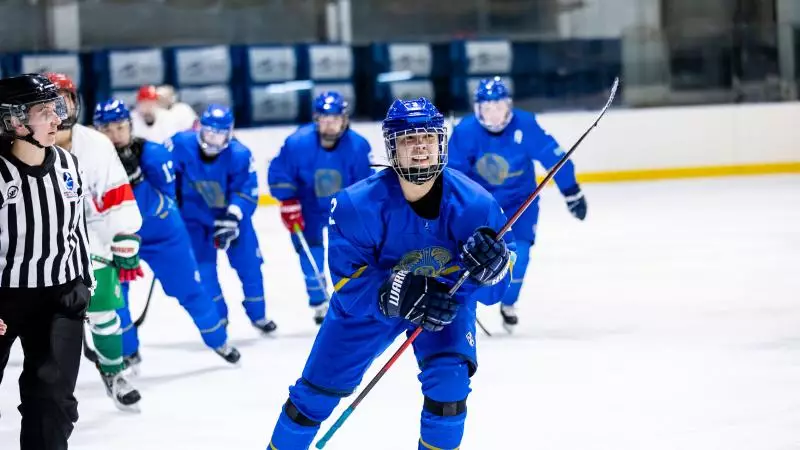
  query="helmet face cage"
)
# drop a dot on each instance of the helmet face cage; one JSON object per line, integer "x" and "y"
{"x": 495, "y": 124}
{"x": 214, "y": 140}
{"x": 333, "y": 136}
{"x": 21, "y": 112}
{"x": 419, "y": 154}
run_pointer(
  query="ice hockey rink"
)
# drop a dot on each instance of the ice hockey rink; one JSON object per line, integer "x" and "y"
{"x": 669, "y": 320}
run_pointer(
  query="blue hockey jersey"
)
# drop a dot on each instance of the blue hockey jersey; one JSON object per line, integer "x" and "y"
{"x": 205, "y": 188}
{"x": 306, "y": 171}
{"x": 374, "y": 231}
{"x": 155, "y": 194}
{"x": 503, "y": 162}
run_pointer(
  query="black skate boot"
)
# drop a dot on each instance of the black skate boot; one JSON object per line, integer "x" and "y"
{"x": 228, "y": 353}
{"x": 510, "y": 319}
{"x": 266, "y": 326}
{"x": 132, "y": 364}
{"x": 319, "y": 312}
{"x": 125, "y": 396}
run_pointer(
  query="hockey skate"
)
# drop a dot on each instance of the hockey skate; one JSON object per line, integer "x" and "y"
{"x": 132, "y": 364}
{"x": 228, "y": 353}
{"x": 319, "y": 312}
{"x": 509, "y": 313}
{"x": 266, "y": 326}
{"x": 125, "y": 397}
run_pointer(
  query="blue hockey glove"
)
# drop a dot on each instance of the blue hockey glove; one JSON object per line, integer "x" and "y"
{"x": 486, "y": 258}
{"x": 422, "y": 300}
{"x": 226, "y": 229}
{"x": 575, "y": 201}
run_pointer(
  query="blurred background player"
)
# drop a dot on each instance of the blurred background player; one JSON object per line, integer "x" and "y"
{"x": 166, "y": 246}
{"x": 217, "y": 192}
{"x": 183, "y": 116}
{"x": 316, "y": 162}
{"x": 496, "y": 147}
{"x": 397, "y": 240}
{"x": 150, "y": 121}
{"x": 112, "y": 218}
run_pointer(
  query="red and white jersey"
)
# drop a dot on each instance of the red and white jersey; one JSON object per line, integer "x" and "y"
{"x": 183, "y": 116}
{"x": 163, "y": 128}
{"x": 112, "y": 209}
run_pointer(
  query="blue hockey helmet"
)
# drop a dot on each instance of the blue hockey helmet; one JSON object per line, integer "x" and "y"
{"x": 416, "y": 139}
{"x": 330, "y": 115}
{"x": 216, "y": 129}
{"x": 110, "y": 111}
{"x": 493, "y": 107}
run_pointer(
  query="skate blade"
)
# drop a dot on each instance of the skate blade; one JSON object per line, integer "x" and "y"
{"x": 509, "y": 328}
{"x": 131, "y": 409}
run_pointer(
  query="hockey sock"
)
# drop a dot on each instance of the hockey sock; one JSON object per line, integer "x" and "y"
{"x": 206, "y": 318}
{"x": 107, "y": 338}
{"x": 518, "y": 272}
{"x": 445, "y": 384}
{"x": 130, "y": 338}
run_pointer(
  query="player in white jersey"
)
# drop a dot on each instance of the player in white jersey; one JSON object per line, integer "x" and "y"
{"x": 112, "y": 218}
{"x": 184, "y": 117}
{"x": 150, "y": 121}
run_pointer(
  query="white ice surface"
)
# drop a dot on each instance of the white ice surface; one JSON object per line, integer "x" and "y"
{"x": 669, "y": 320}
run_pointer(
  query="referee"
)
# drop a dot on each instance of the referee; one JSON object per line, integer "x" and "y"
{"x": 45, "y": 272}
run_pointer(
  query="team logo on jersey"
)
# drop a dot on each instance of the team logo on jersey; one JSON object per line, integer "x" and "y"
{"x": 429, "y": 261}
{"x": 494, "y": 169}
{"x": 518, "y": 137}
{"x": 69, "y": 184}
{"x": 327, "y": 182}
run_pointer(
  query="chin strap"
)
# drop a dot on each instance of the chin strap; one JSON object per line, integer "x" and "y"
{"x": 29, "y": 138}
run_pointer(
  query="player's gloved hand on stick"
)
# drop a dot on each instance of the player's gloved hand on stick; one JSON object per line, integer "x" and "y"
{"x": 129, "y": 158}
{"x": 292, "y": 214}
{"x": 575, "y": 201}
{"x": 422, "y": 300}
{"x": 226, "y": 228}
{"x": 125, "y": 248}
{"x": 485, "y": 257}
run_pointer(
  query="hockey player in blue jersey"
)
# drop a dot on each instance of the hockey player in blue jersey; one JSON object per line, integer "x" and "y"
{"x": 496, "y": 147}
{"x": 316, "y": 162}
{"x": 398, "y": 242}
{"x": 165, "y": 244}
{"x": 217, "y": 192}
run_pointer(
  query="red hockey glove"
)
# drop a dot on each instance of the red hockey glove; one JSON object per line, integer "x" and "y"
{"x": 125, "y": 248}
{"x": 292, "y": 214}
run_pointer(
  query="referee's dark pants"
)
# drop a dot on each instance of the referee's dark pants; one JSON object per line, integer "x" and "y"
{"x": 49, "y": 323}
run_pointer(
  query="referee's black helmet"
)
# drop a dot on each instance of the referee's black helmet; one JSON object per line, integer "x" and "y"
{"x": 17, "y": 96}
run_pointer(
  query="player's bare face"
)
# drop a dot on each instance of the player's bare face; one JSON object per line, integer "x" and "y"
{"x": 118, "y": 132}
{"x": 330, "y": 125}
{"x": 495, "y": 113}
{"x": 44, "y": 120}
{"x": 418, "y": 150}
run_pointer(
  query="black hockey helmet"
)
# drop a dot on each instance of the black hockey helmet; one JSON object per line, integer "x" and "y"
{"x": 19, "y": 94}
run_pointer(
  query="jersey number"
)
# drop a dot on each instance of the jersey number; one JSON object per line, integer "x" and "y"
{"x": 333, "y": 208}
{"x": 169, "y": 174}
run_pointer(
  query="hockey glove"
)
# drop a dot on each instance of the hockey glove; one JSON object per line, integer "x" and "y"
{"x": 485, "y": 257}
{"x": 575, "y": 201}
{"x": 226, "y": 229}
{"x": 129, "y": 157}
{"x": 422, "y": 300}
{"x": 292, "y": 214}
{"x": 125, "y": 248}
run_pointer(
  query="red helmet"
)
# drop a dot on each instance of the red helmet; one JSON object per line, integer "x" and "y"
{"x": 147, "y": 92}
{"x": 65, "y": 83}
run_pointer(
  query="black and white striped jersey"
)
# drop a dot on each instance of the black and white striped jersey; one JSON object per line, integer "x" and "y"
{"x": 43, "y": 238}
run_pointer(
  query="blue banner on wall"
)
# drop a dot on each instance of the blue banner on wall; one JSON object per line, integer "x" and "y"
{"x": 201, "y": 66}
{"x": 274, "y": 105}
{"x": 68, "y": 64}
{"x": 134, "y": 68}
{"x": 269, "y": 64}
{"x": 414, "y": 58}
{"x": 488, "y": 57}
{"x": 330, "y": 62}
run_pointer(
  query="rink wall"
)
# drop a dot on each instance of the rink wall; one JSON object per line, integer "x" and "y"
{"x": 636, "y": 144}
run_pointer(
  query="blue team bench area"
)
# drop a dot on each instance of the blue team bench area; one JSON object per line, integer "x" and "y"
{"x": 274, "y": 84}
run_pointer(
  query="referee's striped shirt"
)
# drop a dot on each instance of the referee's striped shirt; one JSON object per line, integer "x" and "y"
{"x": 43, "y": 238}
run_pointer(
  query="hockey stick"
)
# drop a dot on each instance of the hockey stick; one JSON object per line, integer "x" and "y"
{"x": 409, "y": 340}
{"x": 480, "y": 325}
{"x": 317, "y": 272}
{"x": 91, "y": 354}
